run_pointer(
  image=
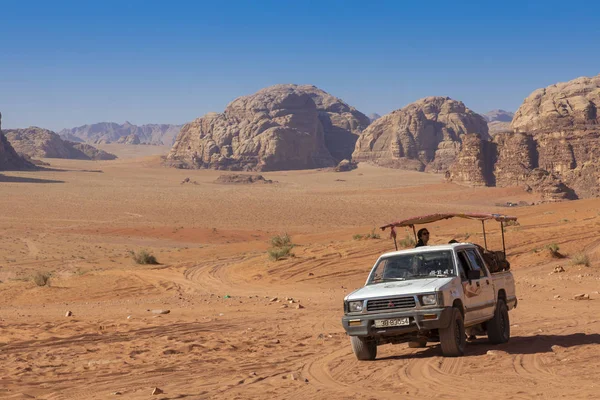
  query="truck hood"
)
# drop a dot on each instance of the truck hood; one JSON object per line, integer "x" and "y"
{"x": 399, "y": 288}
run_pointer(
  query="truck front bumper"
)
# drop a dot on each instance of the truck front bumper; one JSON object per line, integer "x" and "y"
{"x": 420, "y": 320}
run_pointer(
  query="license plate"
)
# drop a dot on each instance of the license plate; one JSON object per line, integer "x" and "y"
{"x": 386, "y": 323}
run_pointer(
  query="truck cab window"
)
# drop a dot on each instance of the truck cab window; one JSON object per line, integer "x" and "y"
{"x": 463, "y": 265}
{"x": 476, "y": 261}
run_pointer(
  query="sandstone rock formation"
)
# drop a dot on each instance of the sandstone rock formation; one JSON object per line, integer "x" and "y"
{"x": 345, "y": 166}
{"x": 498, "y": 127}
{"x": 130, "y": 139}
{"x": 278, "y": 128}
{"x": 42, "y": 143}
{"x": 84, "y": 151}
{"x": 423, "y": 136}
{"x": 555, "y": 146}
{"x": 9, "y": 159}
{"x": 107, "y": 132}
{"x": 474, "y": 163}
{"x": 239, "y": 179}
{"x": 563, "y": 106}
{"x": 510, "y": 159}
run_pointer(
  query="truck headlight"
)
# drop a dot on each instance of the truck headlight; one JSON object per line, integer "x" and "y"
{"x": 355, "y": 306}
{"x": 429, "y": 299}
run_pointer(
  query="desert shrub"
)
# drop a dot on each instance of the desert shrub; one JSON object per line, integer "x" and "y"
{"x": 42, "y": 279}
{"x": 581, "y": 259}
{"x": 281, "y": 240}
{"x": 553, "y": 248}
{"x": 408, "y": 241}
{"x": 372, "y": 235}
{"x": 277, "y": 253}
{"x": 281, "y": 247}
{"x": 512, "y": 223}
{"x": 143, "y": 257}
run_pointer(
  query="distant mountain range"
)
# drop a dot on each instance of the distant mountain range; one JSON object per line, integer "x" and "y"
{"x": 498, "y": 121}
{"x": 499, "y": 115}
{"x": 107, "y": 132}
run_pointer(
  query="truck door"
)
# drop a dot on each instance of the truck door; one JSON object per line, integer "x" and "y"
{"x": 486, "y": 297}
{"x": 475, "y": 293}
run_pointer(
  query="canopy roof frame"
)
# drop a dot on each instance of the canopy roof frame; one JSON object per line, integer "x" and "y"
{"x": 427, "y": 219}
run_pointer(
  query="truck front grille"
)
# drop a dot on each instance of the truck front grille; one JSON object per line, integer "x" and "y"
{"x": 394, "y": 303}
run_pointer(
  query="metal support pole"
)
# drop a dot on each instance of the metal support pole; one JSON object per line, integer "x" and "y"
{"x": 395, "y": 244}
{"x": 503, "y": 246}
{"x": 484, "y": 238}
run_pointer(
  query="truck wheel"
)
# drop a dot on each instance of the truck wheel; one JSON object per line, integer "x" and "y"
{"x": 498, "y": 328}
{"x": 453, "y": 338}
{"x": 363, "y": 348}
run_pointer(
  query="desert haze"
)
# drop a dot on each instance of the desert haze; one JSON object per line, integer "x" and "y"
{"x": 243, "y": 326}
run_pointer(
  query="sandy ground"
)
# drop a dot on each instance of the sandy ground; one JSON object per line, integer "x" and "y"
{"x": 225, "y": 337}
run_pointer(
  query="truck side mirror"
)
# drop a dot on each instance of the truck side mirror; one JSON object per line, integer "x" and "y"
{"x": 473, "y": 274}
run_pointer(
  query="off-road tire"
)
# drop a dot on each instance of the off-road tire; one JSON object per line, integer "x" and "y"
{"x": 418, "y": 344}
{"x": 453, "y": 338}
{"x": 363, "y": 348}
{"x": 498, "y": 328}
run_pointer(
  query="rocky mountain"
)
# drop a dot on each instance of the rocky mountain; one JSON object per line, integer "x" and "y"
{"x": 373, "y": 116}
{"x": 281, "y": 127}
{"x": 555, "y": 146}
{"x": 498, "y": 121}
{"x": 107, "y": 132}
{"x": 499, "y": 116}
{"x": 42, "y": 143}
{"x": 9, "y": 159}
{"x": 423, "y": 136}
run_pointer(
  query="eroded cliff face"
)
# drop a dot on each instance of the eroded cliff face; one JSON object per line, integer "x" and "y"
{"x": 554, "y": 148}
{"x": 281, "y": 127}
{"x": 37, "y": 142}
{"x": 9, "y": 159}
{"x": 565, "y": 105}
{"x": 423, "y": 136}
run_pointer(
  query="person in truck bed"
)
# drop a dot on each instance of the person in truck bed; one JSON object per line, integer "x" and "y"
{"x": 423, "y": 236}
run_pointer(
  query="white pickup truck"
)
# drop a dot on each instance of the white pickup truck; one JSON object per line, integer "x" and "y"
{"x": 429, "y": 294}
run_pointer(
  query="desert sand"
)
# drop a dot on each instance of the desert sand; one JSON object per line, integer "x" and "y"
{"x": 242, "y": 326}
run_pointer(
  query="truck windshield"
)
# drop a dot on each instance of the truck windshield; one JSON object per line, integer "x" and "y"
{"x": 414, "y": 266}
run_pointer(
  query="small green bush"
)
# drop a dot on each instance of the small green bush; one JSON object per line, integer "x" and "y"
{"x": 372, "y": 235}
{"x": 281, "y": 240}
{"x": 281, "y": 247}
{"x": 553, "y": 248}
{"x": 42, "y": 279}
{"x": 512, "y": 223}
{"x": 581, "y": 259}
{"x": 408, "y": 241}
{"x": 143, "y": 257}
{"x": 277, "y": 253}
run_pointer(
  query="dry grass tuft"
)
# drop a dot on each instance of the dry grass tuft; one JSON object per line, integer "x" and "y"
{"x": 143, "y": 257}
{"x": 41, "y": 279}
{"x": 581, "y": 259}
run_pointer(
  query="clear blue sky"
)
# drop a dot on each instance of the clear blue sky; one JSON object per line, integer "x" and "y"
{"x": 68, "y": 63}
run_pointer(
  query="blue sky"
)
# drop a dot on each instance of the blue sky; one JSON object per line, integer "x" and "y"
{"x": 68, "y": 63}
